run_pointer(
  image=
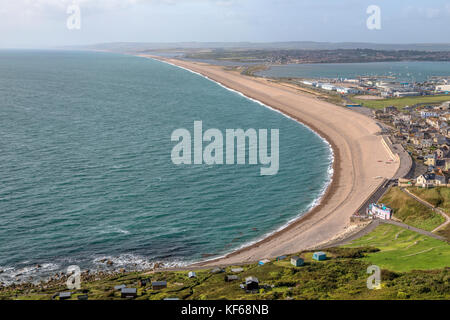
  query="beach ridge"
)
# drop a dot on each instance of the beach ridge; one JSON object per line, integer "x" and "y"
{"x": 353, "y": 139}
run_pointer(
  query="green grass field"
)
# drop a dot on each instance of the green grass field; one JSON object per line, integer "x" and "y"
{"x": 401, "y": 102}
{"x": 410, "y": 211}
{"x": 403, "y": 250}
{"x": 444, "y": 232}
{"x": 438, "y": 197}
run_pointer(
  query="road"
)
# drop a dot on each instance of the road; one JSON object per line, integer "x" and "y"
{"x": 376, "y": 196}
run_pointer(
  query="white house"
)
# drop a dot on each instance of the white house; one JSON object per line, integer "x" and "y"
{"x": 379, "y": 211}
{"x": 428, "y": 114}
{"x": 328, "y": 86}
{"x": 430, "y": 180}
{"x": 345, "y": 90}
{"x": 406, "y": 94}
{"x": 443, "y": 88}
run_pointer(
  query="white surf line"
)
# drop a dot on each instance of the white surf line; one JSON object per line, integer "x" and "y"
{"x": 312, "y": 205}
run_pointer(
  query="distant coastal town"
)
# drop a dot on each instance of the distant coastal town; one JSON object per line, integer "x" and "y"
{"x": 414, "y": 117}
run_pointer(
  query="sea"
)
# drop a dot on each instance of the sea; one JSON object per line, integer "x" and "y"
{"x": 404, "y": 71}
{"x": 86, "y": 174}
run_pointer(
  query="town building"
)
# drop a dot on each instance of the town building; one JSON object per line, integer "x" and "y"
{"x": 390, "y": 109}
{"x": 379, "y": 211}
{"x": 443, "y": 88}
{"x": 345, "y": 90}
{"x": 428, "y": 114}
{"x": 399, "y": 94}
{"x": 430, "y": 160}
{"x": 430, "y": 180}
{"x": 328, "y": 86}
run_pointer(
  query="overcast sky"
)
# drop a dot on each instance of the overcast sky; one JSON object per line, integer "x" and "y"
{"x": 42, "y": 23}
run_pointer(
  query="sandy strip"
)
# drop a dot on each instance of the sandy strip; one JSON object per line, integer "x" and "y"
{"x": 360, "y": 161}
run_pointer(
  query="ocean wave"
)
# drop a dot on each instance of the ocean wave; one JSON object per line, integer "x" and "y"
{"x": 38, "y": 273}
{"x": 30, "y": 273}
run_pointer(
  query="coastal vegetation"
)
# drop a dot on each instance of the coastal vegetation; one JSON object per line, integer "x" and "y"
{"x": 410, "y": 211}
{"x": 253, "y": 69}
{"x": 402, "y": 250}
{"x": 438, "y": 197}
{"x": 413, "y": 267}
{"x": 444, "y": 232}
{"x": 400, "y": 102}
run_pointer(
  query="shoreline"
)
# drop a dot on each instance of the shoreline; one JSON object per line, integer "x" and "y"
{"x": 316, "y": 217}
{"x": 315, "y": 204}
{"x": 330, "y": 187}
{"x": 310, "y": 218}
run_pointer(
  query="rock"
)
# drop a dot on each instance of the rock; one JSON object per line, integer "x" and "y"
{"x": 109, "y": 263}
{"x": 122, "y": 270}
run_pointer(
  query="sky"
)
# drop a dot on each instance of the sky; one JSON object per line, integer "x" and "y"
{"x": 43, "y": 23}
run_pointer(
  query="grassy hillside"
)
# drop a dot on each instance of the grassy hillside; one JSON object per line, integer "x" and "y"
{"x": 438, "y": 197}
{"x": 410, "y": 211}
{"x": 342, "y": 276}
{"x": 444, "y": 232}
{"x": 403, "y": 250}
{"x": 401, "y": 102}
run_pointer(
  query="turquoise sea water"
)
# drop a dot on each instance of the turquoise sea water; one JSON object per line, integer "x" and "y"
{"x": 408, "y": 71}
{"x": 86, "y": 173}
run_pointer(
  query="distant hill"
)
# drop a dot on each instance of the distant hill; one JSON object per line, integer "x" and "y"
{"x": 295, "y": 45}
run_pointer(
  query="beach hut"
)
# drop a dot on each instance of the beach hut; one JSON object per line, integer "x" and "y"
{"x": 230, "y": 278}
{"x": 237, "y": 270}
{"x": 120, "y": 287}
{"x": 128, "y": 293}
{"x": 144, "y": 282}
{"x": 296, "y": 261}
{"x": 263, "y": 262}
{"x": 319, "y": 256}
{"x": 251, "y": 283}
{"x": 158, "y": 285}
{"x": 65, "y": 295}
{"x": 192, "y": 274}
{"x": 217, "y": 270}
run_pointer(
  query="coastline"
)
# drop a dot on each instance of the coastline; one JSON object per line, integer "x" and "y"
{"x": 326, "y": 219}
{"x": 283, "y": 240}
{"x": 322, "y": 196}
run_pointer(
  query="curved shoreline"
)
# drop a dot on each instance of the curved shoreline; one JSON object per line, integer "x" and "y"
{"x": 310, "y": 209}
{"x": 354, "y": 141}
